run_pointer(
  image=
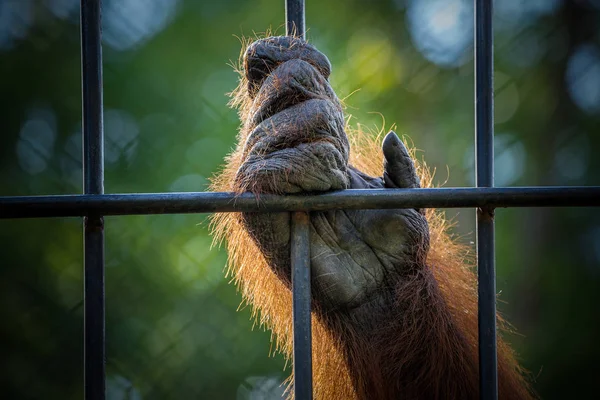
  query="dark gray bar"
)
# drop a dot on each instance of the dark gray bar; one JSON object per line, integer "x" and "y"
{"x": 486, "y": 276}
{"x": 484, "y": 160}
{"x": 300, "y": 254}
{"x": 93, "y": 183}
{"x": 295, "y": 20}
{"x": 352, "y": 199}
{"x": 484, "y": 94}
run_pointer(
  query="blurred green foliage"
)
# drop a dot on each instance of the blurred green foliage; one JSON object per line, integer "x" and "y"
{"x": 173, "y": 329}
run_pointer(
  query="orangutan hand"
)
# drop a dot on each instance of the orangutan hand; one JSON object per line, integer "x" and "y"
{"x": 295, "y": 143}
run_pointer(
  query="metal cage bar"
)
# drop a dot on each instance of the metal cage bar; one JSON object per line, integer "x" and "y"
{"x": 300, "y": 256}
{"x": 295, "y": 20}
{"x": 93, "y": 183}
{"x": 94, "y": 204}
{"x": 300, "y": 260}
{"x": 484, "y": 176}
{"x": 209, "y": 202}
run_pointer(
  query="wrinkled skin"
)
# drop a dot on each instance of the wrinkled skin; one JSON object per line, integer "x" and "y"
{"x": 297, "y": 144}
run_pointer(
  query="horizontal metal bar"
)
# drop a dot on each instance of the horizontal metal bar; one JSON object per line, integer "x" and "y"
{"x": 208, "y": 202}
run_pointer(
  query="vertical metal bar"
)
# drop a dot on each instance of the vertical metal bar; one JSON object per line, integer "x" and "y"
{"x": 294, "y": 16}
{"x": 93, "y": 183}
{"x": 484, "y": 143}
{"x": 300, "y": 256}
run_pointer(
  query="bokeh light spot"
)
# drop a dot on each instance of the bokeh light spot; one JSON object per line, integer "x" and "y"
{"x": 16, "y": 16}
{"x": 583, "y": 78}
{"x": 63, "y": 8}
{"x": 373, "y": 66}
{"x": 441, "y": 29}
{"x": 121, "y": 132}
{"x": 193, "y": 264}
{"x": 70, "y": 159}
{"x": 506, "y": 98}
{"x": 129, "y": 23}
{"x": 189, "y": 183}
{"x": 510, "y": 160}
{"x": 261, "y": 388}
{"x": 120, "y": 388}
{"x": 36, "y": 141}
{"x": 572, "y": 156}
{"x": 510, "y": 156}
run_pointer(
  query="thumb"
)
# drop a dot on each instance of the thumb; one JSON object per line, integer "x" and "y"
{"x": 399, "y": 168}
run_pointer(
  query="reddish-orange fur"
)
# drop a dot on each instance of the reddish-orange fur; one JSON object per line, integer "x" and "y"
{"x": 431, "y": 341}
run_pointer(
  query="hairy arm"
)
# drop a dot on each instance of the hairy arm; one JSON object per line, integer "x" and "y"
{"x": 371, "y": 284}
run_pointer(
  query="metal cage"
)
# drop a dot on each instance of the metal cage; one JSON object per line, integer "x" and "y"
{"x": 93, "y": 205}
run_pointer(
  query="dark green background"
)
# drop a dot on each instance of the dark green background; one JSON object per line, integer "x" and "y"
{"x": 173, "y": 331}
